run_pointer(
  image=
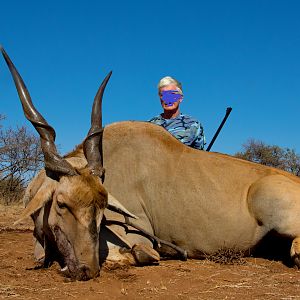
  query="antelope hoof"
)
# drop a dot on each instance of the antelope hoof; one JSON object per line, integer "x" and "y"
{"x": 39, "y": 253}
{"x": 144, "y": 254}
{"x": 295, "y": 251}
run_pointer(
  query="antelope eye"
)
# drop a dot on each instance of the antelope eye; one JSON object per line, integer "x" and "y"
{"x": 61, "y": 204}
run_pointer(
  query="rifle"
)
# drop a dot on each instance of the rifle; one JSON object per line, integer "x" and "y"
{"x": 228, "y": 111}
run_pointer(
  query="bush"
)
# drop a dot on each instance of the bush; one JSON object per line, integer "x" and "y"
{"x": 20, "y": 159}
{"x": 271, "y": 155}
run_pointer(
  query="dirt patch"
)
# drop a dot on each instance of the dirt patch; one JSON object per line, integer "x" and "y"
{"x": 256, "y": 278}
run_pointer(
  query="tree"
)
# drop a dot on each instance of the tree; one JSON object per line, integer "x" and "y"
{"x": 20, "y": 158}
{"x": 271, "y": 155}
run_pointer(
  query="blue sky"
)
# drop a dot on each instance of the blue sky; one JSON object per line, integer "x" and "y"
{"x": 244, "y": 54}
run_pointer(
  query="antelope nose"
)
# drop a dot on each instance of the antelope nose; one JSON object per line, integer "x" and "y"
{"x": 85, "y": 273}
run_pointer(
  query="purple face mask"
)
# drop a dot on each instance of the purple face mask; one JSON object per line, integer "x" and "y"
{"x": 170, "y": 97}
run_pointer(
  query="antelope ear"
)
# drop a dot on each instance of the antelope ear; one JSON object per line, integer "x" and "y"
{"x": 43, "y": 195}
{"x": 116, "y": 206}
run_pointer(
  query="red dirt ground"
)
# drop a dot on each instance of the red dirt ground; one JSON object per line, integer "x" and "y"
{"x": 257, "y": 278}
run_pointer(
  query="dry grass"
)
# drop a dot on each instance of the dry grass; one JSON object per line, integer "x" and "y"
{"x": 10, "y": 197}
{"x": 226, "y": 256}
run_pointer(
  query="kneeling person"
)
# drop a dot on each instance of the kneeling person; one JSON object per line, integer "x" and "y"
{"x": 183, "y": 127}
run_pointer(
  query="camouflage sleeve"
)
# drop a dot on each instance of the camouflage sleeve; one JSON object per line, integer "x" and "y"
{"x": 199, "y": 140}
{"x": 156, "y": 120}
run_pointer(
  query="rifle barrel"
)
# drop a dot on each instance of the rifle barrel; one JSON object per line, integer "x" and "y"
{"x": 228, "y": 111}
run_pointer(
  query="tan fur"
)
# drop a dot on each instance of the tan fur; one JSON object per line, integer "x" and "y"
{"x": 89, "y": 190}
{"x": 201, "y": 201}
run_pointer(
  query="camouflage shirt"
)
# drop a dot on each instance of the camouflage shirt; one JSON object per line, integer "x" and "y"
{"x": 186, "y": 129}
